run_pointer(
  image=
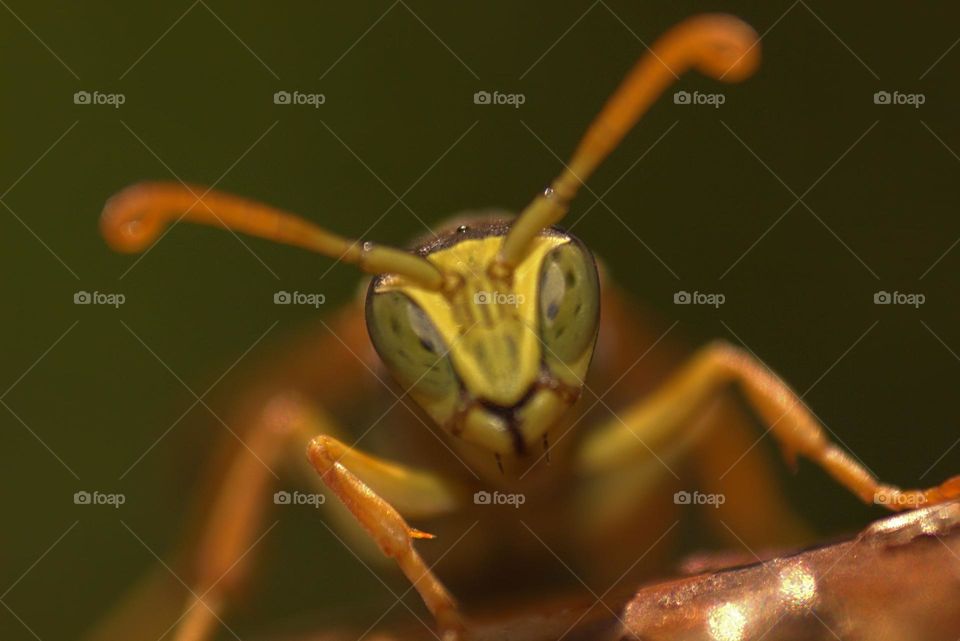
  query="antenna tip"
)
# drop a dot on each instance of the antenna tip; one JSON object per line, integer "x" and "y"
{"x": 126, "y": 223}
{"x": 725, "y": 47}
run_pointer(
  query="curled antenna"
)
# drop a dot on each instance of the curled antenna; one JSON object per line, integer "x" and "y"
{"x": 135, "y": 217}
{"x": 720, "y": 46}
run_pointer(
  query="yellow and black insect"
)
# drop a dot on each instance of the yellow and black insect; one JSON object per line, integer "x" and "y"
{"x": 494, "y": 326}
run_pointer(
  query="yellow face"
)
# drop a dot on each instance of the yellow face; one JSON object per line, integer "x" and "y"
{"x": 495, "y": 361}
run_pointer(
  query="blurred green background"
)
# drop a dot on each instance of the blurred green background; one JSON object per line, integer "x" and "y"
{"x": 712, "y": 200}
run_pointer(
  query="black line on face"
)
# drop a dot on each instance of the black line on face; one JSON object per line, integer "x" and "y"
{"x": 509, "y": 416}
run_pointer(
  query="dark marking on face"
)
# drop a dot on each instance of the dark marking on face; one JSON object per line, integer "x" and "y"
{"x": 509, "y": 416}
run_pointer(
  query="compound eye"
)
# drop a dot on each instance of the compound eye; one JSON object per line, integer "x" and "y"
{"x": 410, "y": 345}
{"x": 569, "y": 303}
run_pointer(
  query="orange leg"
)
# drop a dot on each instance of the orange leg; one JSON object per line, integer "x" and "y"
{"x": 233, "y": 526}
{"x": 658, "y": 419}
{"x": 239, "y": 483}
{"x": 333, "y": 461}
